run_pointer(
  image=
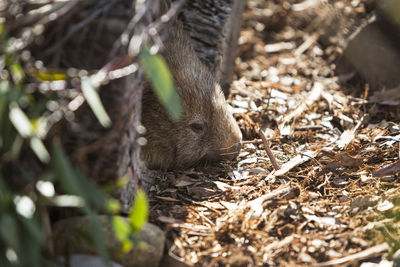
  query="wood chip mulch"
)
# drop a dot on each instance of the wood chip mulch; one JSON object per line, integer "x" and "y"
{"x": 333, "y": 197}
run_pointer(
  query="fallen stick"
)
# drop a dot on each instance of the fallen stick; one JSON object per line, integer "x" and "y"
{"x": 258, "y": 141}
{"x": 274, "y": 194}
{"x": 256, "y": 205}
{"x": 357, "y": 256}
{"x": 297, "y": 160}
{"x": 306, "y": 45}
{"x": 254, "y": 141}
{"x": 268, "y": 150}
{"x": 311, "y": 98}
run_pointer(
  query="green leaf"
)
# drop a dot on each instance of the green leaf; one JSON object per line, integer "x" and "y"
{"x": 123, "y": 232}
{"x": 121, "y": 228}
{"x": 1, "y": 31}
{"x": 16, "y": 147}
{"x": 64, "y": 172}
{"x": 115, "y": 185}
{"x": 74, "y": 182}
{"x": 8, "y": 230}
{"x": 48, "y": 76}
{"x": 161, "y": 79}
{"x": 20, "y": 120}
{"x": 25, "y": 129}
{"x": 68, "y": 201}
{"x": 99, "y": 238}
{"x": 5, "y": 195}
{"x": 4, "y": 87}
{"x": 89, "y": 89}
{"x": 140, "y": 209}
{"x": 113, "y": 206}
{"x": 92, "y": 193}
{"x": 33, "y": 228}
{"x": 17, "y": 72}
{"x": 39, "y": 149}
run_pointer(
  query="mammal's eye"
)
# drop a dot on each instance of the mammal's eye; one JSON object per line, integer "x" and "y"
{"x": 197, "y": 127}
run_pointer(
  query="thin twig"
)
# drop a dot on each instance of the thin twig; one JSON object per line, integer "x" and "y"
{"x": 284, "y": 190}
{"x": 309, "y": 127}
{"x": 126, "y": 61}
{"x": 75, "y": 28}
{"x": 357, "y": 256}
{"x": 306, "y": 45}
{"x": 312, "y": 97}
{"x": 296, "y": 161}
{"x": 268, "y": 150}
{"x": 254, "y": 141}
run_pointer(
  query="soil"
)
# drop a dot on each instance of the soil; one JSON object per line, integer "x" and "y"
{"x": 335, "y": 199}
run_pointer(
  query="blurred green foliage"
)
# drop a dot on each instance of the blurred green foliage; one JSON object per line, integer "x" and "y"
{"x": 161, "y": 79}
{"x": 31, "y": 167}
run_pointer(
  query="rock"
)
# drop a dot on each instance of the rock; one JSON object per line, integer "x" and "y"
{"x": 73, "y": 236}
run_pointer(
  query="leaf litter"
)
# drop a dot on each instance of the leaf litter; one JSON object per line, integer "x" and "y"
{"x": 332, "y": 196}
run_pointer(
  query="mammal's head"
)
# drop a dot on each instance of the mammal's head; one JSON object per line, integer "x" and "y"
{"x": 206, "y": 131}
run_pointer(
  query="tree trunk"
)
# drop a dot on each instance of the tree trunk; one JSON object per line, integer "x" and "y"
{"x": 214, "y": 27}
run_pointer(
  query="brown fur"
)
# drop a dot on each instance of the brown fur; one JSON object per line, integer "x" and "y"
{"x": 182, "y": 144}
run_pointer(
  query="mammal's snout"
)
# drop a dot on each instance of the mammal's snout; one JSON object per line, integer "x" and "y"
{"x": 238, "y": 147}
{"x": 225, "y": 154}
{"x": 232, "y": 153}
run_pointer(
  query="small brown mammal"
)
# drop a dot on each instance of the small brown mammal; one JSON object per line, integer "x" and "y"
{"x": 206, "y": 131}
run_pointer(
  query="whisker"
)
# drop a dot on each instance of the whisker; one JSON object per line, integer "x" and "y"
{"x": 229, "y": 147}
{"x": 228, "y": 153}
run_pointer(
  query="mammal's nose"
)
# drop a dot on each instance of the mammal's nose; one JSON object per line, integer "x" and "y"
{"x": 238, "y": 146}
{"x": 232, "y": 153}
